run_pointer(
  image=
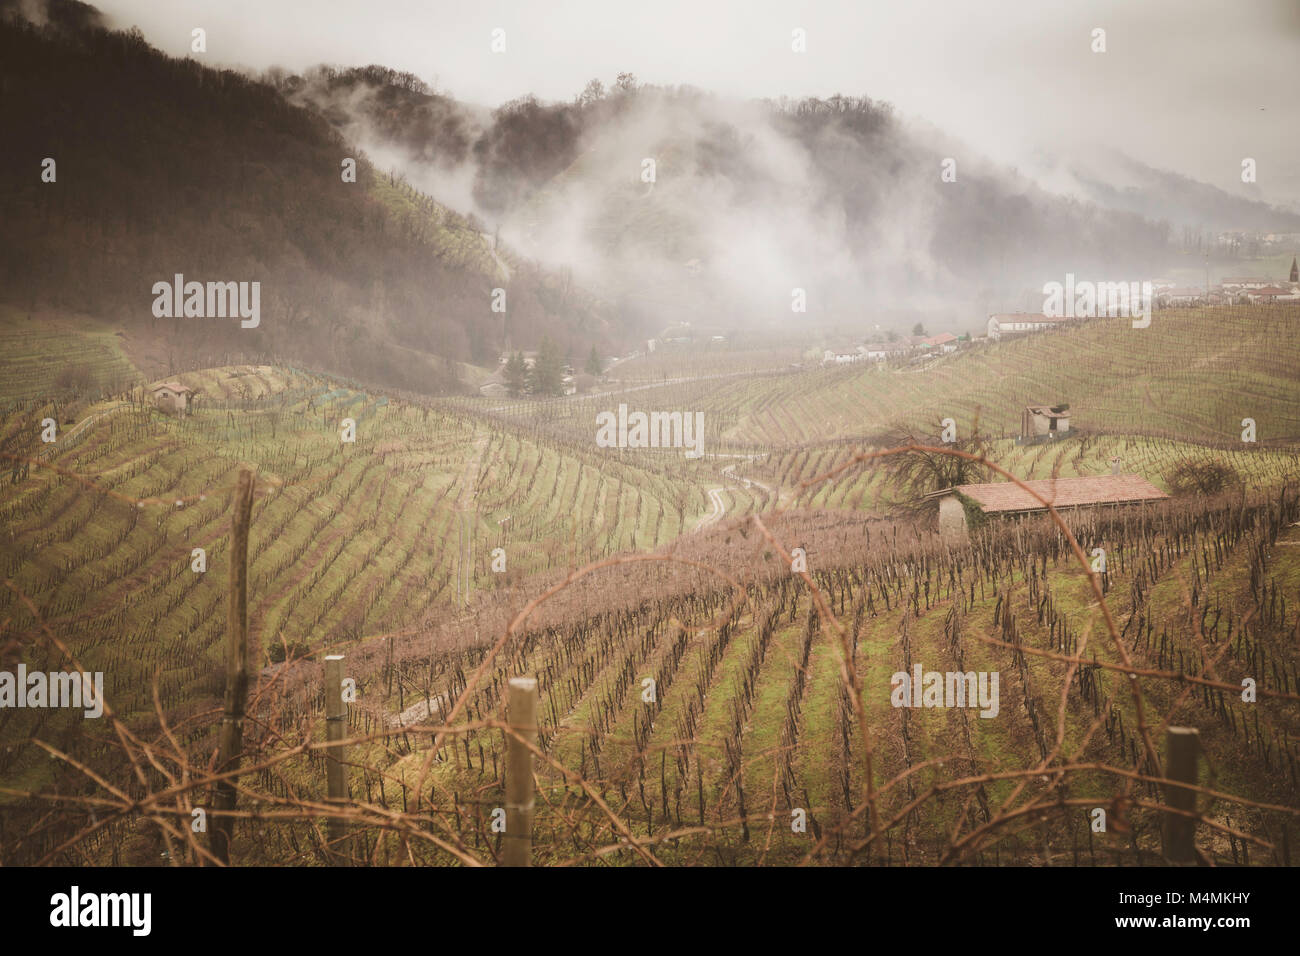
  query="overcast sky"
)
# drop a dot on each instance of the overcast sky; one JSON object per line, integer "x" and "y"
{"x": 1192, "y": 86}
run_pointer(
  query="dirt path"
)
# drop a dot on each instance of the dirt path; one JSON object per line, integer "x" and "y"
{"x": 719, "y": 509}
{"x": 730, "y": 472}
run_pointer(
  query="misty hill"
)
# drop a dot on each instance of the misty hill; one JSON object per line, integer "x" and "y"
{"x": 165, "y": 166}
{"x": 1117, "y": 181}
{"x": 748, "y": 201}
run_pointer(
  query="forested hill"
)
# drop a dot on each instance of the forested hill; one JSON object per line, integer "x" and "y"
{"x": 164, "y": 166}
{"x": 869, "y": 213}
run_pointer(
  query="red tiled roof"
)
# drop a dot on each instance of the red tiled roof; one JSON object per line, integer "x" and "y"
{"x": 1062, "y": 492}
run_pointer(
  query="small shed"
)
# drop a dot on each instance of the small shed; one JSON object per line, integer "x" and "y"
{"x": 1044, "y": 422}
{"x": 172, "y": 397}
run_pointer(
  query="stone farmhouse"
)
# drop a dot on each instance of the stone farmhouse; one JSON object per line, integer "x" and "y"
{"x": 172, "y": 397}
{"x": 1039, "y": 423}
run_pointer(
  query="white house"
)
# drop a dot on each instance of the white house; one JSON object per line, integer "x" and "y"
{"x": 1270, "y": 294}
{"x": 1020, "y": 323}
{"x": 839, "y": 358}
{"x": 1235, "y": 283}
{"x": 883, "y": 351}
{"x": 944, "y": 341}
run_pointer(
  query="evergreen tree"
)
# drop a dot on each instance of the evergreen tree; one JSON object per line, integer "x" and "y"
{"x": 548, "y": 370}
{"x": 593, "y": 363}
{"x": 516, "y": 375}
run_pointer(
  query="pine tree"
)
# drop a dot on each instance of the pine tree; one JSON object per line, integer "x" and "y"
{"x": 516, "y": 375}
{"x": 593, "y": 363}
{"x": 548, "y": 370}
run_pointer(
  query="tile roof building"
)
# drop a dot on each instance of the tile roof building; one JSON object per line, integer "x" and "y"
{"x": 1008, "y": 499}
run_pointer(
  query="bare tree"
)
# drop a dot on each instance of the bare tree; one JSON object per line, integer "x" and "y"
{"x": 918, "y": 473}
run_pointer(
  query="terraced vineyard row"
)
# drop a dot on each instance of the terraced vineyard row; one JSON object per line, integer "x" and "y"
{"x": 349, "y": 539}
{"x": 707, "y": 721}
{"x": 867, "y": 486}
{"x": 1194, "y": 374}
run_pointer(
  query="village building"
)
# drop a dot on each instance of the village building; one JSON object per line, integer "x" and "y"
{"x": 883, "y": 351}
{"x": 1039, "y": 423}
{"x": 679, "y": 334}
{"x": 1271, "y": 294}
{"x": 1237, "y": 283}
{"x": 830, "y": 357}
{"x": 964, "y": 504}
{"x": 944, "y": 342}
{"x": 1005, "y": 324}
{"x": 172, "y": 397}
{"x": 1183, "y": 296}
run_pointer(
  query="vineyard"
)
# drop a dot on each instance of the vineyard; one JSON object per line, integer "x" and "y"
{"x": 751, "y": 718}
{"x": 801, "y": 441}
{"x": 1191, "y": 376}
{"x": 349, "y": 539}
{"x": 700, "y": 700}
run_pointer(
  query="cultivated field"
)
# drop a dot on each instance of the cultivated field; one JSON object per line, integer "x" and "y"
{"x": 696, "y": 695}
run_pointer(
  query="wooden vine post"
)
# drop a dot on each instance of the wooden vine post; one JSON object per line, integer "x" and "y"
{"x": 232, "y": 722}
{"x": 336, "y": 715}
{"x": 1183, "y": 746}
{"x": 522, "y": 715}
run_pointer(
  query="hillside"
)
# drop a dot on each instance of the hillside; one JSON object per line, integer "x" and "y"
{"x": 750, "y": 720}
{"x": 1193, "y": 375}
{"x": 361, "y": 549}
{"x": 308, "y": 550}
{"x": 216, "y": 177}
{"x": 747, "y": 200}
